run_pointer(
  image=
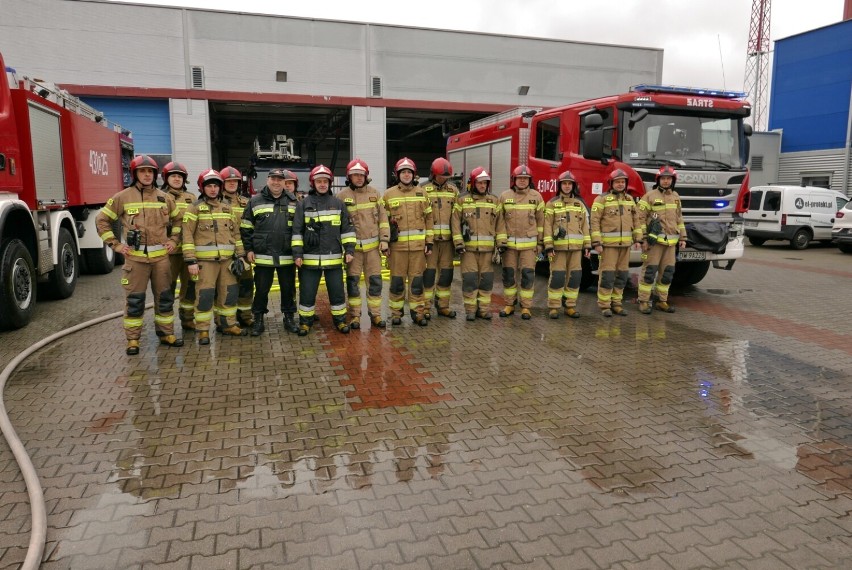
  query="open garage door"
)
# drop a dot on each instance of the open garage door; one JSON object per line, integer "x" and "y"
{"x": 422, "y": 135}
{"x": 291, "y": 136}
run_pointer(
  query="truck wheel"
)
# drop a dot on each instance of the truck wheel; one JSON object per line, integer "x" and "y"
{"x": 756, "y": 241}
{"x": 845, "y": 247}
{"x": 63, "y": 278}
{"x": 99, "y": 261}
{"x": 689, "y": 273}
{"x": 17, "y": 285}
{"x": 801, "y": 239}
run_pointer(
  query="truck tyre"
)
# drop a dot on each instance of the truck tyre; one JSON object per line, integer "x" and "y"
{"x": 99, "y": 261}
{"x": 845, "y": 247}
{"x": 689, "y": 273}
{"x": 63, "y": 279}
{"x": 17, "y": 285}
{"x": 756, "y": 241}
{"x": 801, "y": 239}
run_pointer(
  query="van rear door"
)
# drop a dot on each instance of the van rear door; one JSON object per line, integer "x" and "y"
{"x": 823, "y": 209}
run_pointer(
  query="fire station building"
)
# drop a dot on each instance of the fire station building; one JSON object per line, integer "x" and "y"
{"x": 198, "y": 86}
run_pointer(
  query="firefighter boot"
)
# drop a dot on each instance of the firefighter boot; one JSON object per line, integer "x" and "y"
{"x": 421, "y": 320}
{"x": 290, "y": 324}
{"x": 449, "y": 313}
{"x": 470, "y": 317}
{"x": 553, "y": 313}
{"x": 355, "y": 323}
{"x": 304, "y": 329}
{"x": 480, "y": 314}
{"x": 188, "y": 326}
{"x": 572, "y": 312}
{"x": 507, "y": 311}
{"x": 234, "y": 330}
{"x": 377, "y": 321}
{"x": 606, "y": 312}
{"x": 664, "y": 307}
{"x": 619, "y": 310}
{"x": 204, "y": 337}
{"x": 257, "y": 327}
{"x": 132, "y": 347}
{"x": 396, "y": 321}
{"x": 342, "y": 326}
{"x": 644, "y": 307}
{"x": 171, "y": 340}
{"x": 525, "y": 314}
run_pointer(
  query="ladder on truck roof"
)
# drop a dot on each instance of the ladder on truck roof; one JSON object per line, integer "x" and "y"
{"x": 51, "y": 92}
{"x": 509, "y": 114}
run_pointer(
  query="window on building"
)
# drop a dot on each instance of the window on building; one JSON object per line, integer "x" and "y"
{"x": 547, "y": 139}
{"x": 820, "y": 180}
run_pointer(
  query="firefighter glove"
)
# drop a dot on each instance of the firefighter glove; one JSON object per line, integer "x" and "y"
{"x": 559, "y": 233}
{"x": 394, "y": 231}
{"x": 429, "y": 247}
{"x": 237, "y": 267}
{"x": 460, "y": 249}
{"x": 548, "y": 251}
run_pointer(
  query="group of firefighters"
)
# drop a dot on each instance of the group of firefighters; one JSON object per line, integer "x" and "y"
{"x": 226, "y": 249}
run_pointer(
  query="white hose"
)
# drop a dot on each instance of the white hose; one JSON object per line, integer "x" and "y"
{"x": 38, "y": 536}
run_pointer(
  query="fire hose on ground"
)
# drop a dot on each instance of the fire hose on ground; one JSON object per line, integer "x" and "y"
{"x": 38, "y": 533}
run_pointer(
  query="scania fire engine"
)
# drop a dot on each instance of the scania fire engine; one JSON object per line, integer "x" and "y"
{"x": 700, "y": 132}
{"x": 60, "y": 161}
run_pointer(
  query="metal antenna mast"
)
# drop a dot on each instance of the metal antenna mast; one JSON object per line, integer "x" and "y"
{"x": 757, "y": 64}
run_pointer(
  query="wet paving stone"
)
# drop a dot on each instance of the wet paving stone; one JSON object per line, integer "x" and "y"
{"x": 718, "y": 437}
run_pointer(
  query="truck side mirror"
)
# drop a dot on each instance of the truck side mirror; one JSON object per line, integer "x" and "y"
{"x": 592, "y": 121}
{"x": 593, "y": 144}
{"x": 747, "y": 129}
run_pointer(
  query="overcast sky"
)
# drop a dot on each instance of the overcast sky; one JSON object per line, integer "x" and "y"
{"x": 704, "y": 40}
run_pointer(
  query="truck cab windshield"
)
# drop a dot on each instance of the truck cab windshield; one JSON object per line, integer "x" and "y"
{"x": 682, "y": 140}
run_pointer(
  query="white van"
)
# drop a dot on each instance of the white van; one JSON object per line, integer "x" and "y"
{"x": 798, "y": 214}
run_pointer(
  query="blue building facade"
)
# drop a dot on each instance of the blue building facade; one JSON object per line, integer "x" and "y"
{"x": 810, "y": 104}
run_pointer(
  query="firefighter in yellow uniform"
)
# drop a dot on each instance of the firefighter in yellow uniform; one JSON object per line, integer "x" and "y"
{"x": 442, "y": 195}
{"x": 520, "y": 228}
{"x": 213, "y": 251}
{"x": 410, "y": 217}
{"x": 231, "y": 194}
{"x": 566, "y": 241}
{"x": 372, "y": 233}
{"x": 615, "y": 227}
{"x": 664, "y": 231}
{"x": 146, "y": 213}
{"x": 174, "y": 182}
{"x": 474, "y": 227}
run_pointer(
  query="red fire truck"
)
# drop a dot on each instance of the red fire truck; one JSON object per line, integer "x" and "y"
{"x": 700, "y": 132}
{"x": 60, "y": 161}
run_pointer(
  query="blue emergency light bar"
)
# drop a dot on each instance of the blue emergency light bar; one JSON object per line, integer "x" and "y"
{"x": 676, "y": 90}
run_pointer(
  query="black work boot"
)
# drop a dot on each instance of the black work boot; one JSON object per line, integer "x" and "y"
{"x": 257, "y": 327}
{"x": 290, "y": 324}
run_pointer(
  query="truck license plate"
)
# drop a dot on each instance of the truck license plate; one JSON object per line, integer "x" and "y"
{"x": 750, "y": 224}
{"x": 692, "y": 256}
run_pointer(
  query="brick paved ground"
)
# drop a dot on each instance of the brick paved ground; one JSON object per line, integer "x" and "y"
{"x": 717, "y": 437}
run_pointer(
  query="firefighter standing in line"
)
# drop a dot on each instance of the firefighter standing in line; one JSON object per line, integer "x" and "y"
{"x": 410, "y": 217}
{"x": 322, "y": 239}
{"x": 266, "y": 229}
{"x": 442, "y": 195}
{"x": 174, "y": 182}
{"x": 664, "y": 231}
{"x": 615, "y": 227}
{"x": 474, "y": 227}
{"x": 372, "y": 233}
{"x": 520, "y": 226}
{"x": 566, "y": 242}
{"x": 146, "y": 213}
{"x": 231, "y": 194}
{"x": 213, "y": 251}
